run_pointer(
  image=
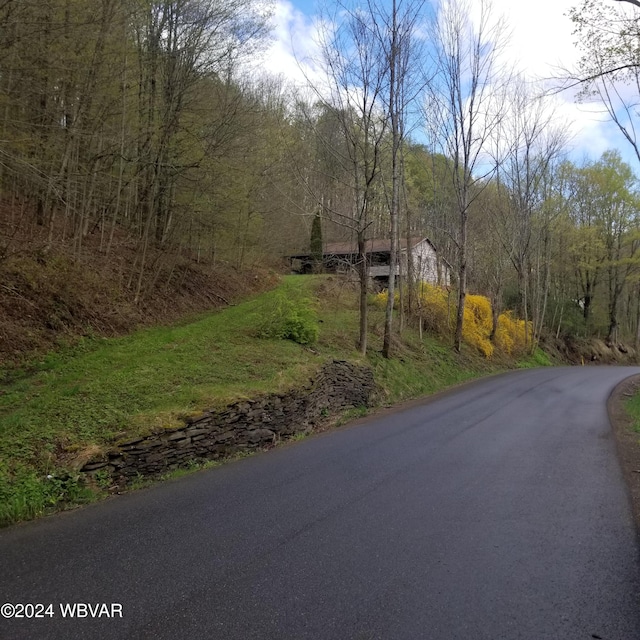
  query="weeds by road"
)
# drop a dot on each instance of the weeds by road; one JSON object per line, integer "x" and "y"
{"x": 68, "y": 406}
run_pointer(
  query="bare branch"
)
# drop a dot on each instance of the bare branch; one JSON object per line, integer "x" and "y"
{"x": 635, "y": 2}
{"x": 576, "y": 82}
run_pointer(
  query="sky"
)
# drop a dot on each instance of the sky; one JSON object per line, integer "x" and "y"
{"x": 541, "y": 41}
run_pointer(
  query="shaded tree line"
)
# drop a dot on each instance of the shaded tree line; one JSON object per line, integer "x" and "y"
{"x": 139, "y": 115}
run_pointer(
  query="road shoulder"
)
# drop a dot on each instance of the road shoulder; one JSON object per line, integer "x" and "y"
{"x": 627, "y": 440}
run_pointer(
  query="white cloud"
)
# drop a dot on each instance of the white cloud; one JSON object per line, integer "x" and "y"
{"x": 544, "y": 45}
{"x": 588, "y": 127}
{"x": 294, "y": 52}
{"x": 541, "y": 35}
{"x": 541, "y": 45}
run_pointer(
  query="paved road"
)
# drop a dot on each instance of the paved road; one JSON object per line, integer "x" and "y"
{"x": 496, "y": 511}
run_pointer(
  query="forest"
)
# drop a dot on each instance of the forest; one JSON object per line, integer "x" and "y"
{"x": 148, "y": 126}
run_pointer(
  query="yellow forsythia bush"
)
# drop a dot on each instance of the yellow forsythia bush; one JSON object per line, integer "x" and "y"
{"x": 478, "y": 323}
{"x": 380, "y": 299}
{"x": 439, "y": 309}
{"x": 511, "y": 333}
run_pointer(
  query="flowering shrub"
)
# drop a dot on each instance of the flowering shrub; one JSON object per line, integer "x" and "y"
{"x": 380, "y": 299}
{"x": 477, "y": 324}
{"x": 511, "y": 333}
{"x": 439, "y": 310}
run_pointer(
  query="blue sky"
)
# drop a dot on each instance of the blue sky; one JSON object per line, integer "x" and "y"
{"x": 541, "y": 42}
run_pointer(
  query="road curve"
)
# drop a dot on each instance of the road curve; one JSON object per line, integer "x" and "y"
{"x": 495, "y": 511}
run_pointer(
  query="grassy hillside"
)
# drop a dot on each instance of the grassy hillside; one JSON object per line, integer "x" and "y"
{"x": 73, "y": 403}
{"x": 50, "y": 299}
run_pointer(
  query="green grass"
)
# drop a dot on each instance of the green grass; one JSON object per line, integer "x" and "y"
{"x": 63, "y": 409}
{"x": 149, "y": 377}
{"x": 425, "y": 367}
{"x": 538, "y": 359}
{"x": 633, "y": 408}
{"x": 104, "y": 391}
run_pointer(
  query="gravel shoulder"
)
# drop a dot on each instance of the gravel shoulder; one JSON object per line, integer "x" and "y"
{"x": 627, "y": 440}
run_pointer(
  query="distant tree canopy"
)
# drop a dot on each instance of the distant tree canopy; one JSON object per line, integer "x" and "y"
{"x": 137, "y": 119}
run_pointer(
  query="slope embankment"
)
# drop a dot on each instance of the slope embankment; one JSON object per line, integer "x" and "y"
{"x": 76, "y": 405}
{"x": 178, "y": 396}
{"x": 49, "y": 299}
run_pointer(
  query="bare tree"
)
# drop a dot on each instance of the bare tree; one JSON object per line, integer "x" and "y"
{"x": 608, "y": 71}
{"x": 354, "y": 93}
{"x": 179, "y": 42}
{"x": 396, "y": 32}
{"x": 464, "y": 110}
{"x": 533, "y": 141}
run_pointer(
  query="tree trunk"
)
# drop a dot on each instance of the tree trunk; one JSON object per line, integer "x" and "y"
{"x": 462, "y": 284}
{"x": 395, "y": 179}
{"x": 364, "y": 276}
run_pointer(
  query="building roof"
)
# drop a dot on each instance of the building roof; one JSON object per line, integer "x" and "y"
{"x": 371, "y": 246}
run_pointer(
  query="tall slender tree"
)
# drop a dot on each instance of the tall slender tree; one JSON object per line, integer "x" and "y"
{"x": 354, "y": 92}
{"x": 396, "y": 31}
{"x": 464, "y": 109}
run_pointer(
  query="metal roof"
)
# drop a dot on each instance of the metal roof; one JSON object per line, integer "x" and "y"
{"x": 371, "y": 246}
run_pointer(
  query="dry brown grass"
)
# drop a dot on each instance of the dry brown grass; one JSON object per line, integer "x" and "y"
{"x": 51, "y": 296}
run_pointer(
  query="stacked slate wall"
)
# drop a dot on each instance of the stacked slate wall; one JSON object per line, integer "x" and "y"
{"x": 242, "y": 426}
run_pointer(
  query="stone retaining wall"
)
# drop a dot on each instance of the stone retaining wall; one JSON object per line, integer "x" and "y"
{"x": 242, "y": 426}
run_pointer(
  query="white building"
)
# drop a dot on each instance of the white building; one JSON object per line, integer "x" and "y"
{"x": 342, "y": 257}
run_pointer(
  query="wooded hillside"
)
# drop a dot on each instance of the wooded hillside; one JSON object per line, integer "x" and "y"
{"x": 136, "y": 144}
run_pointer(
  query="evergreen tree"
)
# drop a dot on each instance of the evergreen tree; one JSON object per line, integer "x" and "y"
{"x": 316, "y": 242}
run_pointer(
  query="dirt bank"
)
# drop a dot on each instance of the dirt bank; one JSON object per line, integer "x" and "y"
{"x": 627, "y": 440}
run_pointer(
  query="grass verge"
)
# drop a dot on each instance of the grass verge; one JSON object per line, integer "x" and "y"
{"x": 624, "y": 413}
{"x": 633, "y": 409}
{"x": 74, "y": 403}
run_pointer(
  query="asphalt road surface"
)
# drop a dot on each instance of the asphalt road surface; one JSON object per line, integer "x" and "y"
{"x": 495, "y": 511}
